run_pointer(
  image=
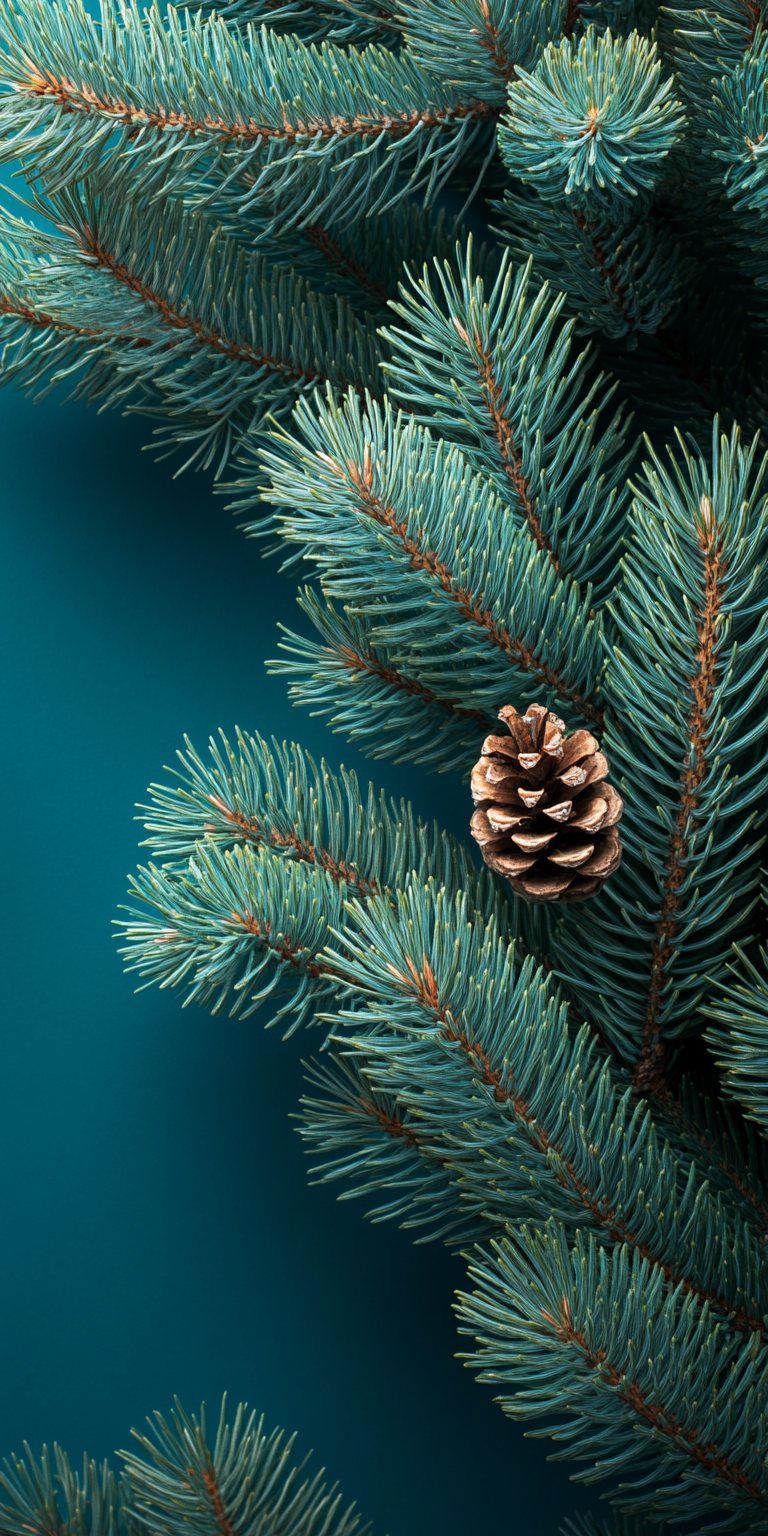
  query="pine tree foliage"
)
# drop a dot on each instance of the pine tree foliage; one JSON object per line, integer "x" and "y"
{"x": 222, "y": 97}
{"x": 463, "y": 596}
{"x": 738, "y": 1036}
{"x": 166, "y": 311}
{"x": 470, "y": 296}
{"x": 451, "y": 1013}
{"x": 371, "y": 695}
{"x": 622, "y": 281}
{"x": 691, "y": 758}
{"x": 614, "y": 83}
{"x": 537, "y": 429}
{"x": 248, "y": 1481}
{"x": 556, "y": 1320}
{"x": 264, "y": 847}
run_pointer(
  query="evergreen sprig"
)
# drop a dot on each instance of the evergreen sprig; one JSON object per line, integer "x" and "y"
{"x": 738, "y": 1035}
{"x": 463, "y": 596}
{"x": 249, "y": 1481}
{"x": 496, "y": 375}
{"x": 684, "y": 730}
{"x": 265, "y": 846}
{"x": 453, "y": 1019}
{"x": 561, "y": 1324}
{"x": 166, "y": 312}
{"x": 226, "y": 118}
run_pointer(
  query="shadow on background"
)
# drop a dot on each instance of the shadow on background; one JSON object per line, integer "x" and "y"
{"x": 158, "y": 1233}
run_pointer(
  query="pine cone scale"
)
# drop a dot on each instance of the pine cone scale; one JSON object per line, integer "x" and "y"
{"x": 550, "y": 845}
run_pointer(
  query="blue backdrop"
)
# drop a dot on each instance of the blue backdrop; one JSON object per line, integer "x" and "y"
{"x": 158, "y": 1232}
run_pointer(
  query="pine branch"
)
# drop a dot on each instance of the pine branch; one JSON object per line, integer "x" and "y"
{"x": 217, "y": 115}
{"x": 278, "y": 798}
{"x": 376, "y": 1144}
{"x": 621, "y": 281}
{"x": 595, "y": 1335}
{"x": 273, "y": 847}
{"x": 450, "y": 585}
{"x": 166, "y": 312}
{"x": 737, "y": 126}
{"x": 524, "y": 1112}
{"x": 241, "y": 927}
{"x": 352, "y": 21}
{"x": 247, "y": 1482}
{"x": 701, "y": 41}
{"x": 388, "y": 711}
{"x": 735, "y": 1156}
{"x": 48, "y": 1498}
{"x": 364, "y": 264}
{"x": 687, "y": 677}
{"x": 738, "y": 1033}
{"x": 495, "y": 376}
{"x": 485, "y": 40}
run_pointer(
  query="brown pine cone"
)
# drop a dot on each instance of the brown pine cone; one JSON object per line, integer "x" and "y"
{"x": 545, "y": 816}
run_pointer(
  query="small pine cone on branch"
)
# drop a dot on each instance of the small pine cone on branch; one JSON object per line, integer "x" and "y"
{"x": 546, "y": 818}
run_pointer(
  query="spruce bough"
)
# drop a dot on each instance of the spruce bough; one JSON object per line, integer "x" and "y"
{"x": 465, "y": 303}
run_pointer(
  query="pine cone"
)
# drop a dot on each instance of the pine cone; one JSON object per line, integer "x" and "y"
{"x": 545, "y": 816}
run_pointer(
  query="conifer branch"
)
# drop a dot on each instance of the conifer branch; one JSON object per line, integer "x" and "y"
{"x": 648, "y": 1074}
{"x": 371, "y": 697}
{"x": 231, "y": 106}
{"x": 544, "y": 1131}
{"x": 681, "y": 688}
{"x": 242, "y": 911}
{"x": 736, "y": 1034}
{"x": 71, "y": 98}
{"x": 733, "y": 1157}
{"x": 381, "y": 1148}
{"x": 341, "y": 261}
{"x": 356, "y": 473}
{"x": 169, "y": 315}
{"x": 546, "y": 1315}
{"x": 246, "y": 1479}
{"x": 539, "y": 430}
{"x": 710, "y": 1457}
{"x": 43, "y": 322}
{"x": 510, "y": 454}
{"x": 470, "y": 604}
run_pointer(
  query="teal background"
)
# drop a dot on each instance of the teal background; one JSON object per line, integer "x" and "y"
{"x": 159, "y": 1235}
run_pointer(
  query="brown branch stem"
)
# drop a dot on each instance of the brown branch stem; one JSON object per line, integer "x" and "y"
{"x": 225, "y": 1525}
{"x": 254, "y": 831}
{"x": 649, "y": 1074}
{"x": 511, "y": 458}
{"x": 607, "y": 269}
{"x": 392, "y": 1124}
{"x": 341, "y": 261}
{"x": 171, "y": 316}
{"x": 355, "y": 662}
{"x": 80, "y": 98}
{"x": 735, "y": 1176}
{"x": 282, "y": 947}
{"x": 488, "y": 37}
